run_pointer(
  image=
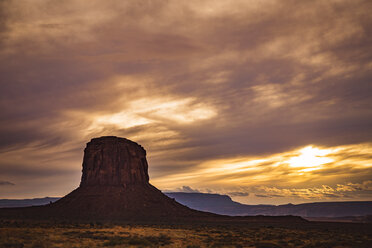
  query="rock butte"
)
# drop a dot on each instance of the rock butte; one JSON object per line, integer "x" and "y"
{"x": 112, "y": 161}
{"x": 115, "y": 187}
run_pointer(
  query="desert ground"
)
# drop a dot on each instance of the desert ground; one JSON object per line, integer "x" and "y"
{"x": 15, "y": 233}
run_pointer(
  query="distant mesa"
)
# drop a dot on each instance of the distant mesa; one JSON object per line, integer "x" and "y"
{"x": 115, "y": 186}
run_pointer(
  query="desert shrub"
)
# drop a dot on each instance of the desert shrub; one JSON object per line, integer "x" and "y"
{"x": 266, "y": 245}
{"x": 296, "y": 242}
{"x": 88, "y": 235}
{"x": 139, "y": 240}
{"x": 268, "y": 237}
{"x": 162, "y": 239}
{"x": 221, "y": 244}
{"x": 116, "y": 240}
{"x": 225, "y": 241}
{"x": 193, "y": 246}
{"x": 208, "y": 239}
{"x": 99, "y": 224}
{"x": 282, "y": 243}
{"x": 280, "y": 236}
{"x": 38, "y": 244}
{"x": 136, "y": 240}
{"x": 13, "y": 244}
{"x": 326, "y": 244}
{"x": 217, "y": 244}
{"x": 309, "y": 246}
{"x": 71, "y": 233}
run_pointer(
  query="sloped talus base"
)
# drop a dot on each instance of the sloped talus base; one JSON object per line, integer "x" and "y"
{"x": 134, "y": 202}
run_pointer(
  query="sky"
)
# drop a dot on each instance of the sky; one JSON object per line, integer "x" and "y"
{"x": 269, "y": 102}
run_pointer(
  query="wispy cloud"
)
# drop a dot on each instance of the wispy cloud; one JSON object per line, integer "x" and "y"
{"x": 187, "y": 189}
{"x": 347, "y": 191}
{"x": 193, "y": 82}
{"x": 6, "y": 183}
{"x": 236, "y": 193}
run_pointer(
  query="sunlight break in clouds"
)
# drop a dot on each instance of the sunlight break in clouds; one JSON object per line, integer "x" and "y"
{"x": 309, "y": 170}
{"x": 311, "y": 157}
{"x": 223, "y": 95}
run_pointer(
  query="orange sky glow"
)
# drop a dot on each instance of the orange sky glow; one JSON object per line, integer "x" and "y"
{"x": 266, "y": 101}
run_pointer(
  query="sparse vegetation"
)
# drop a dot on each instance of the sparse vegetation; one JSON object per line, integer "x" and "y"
{"x": 22, "y": 234}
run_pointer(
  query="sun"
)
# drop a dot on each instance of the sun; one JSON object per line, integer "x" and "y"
{"x": 310, "y": 157}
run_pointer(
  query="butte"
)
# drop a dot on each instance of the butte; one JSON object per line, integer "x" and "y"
{"x": 115, "y": 187}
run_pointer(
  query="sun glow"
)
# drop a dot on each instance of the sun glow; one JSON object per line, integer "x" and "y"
{"x": 296, "y": 166}
{"x": 310, "y": 157}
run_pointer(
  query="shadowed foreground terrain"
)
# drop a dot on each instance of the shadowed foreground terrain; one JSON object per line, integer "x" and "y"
{"x": 317, "y": 235}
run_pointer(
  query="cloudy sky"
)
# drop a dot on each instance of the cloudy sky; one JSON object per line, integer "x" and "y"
{"x": 267, "y": 101}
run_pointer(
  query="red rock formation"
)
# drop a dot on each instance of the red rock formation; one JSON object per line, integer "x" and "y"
{"x": 115, "y": 186}
{"x": 113, "y": 161}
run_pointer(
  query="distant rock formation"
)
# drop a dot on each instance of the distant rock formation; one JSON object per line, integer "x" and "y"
{"x": 115, "y": 187}
{"x": 223, "y": 204}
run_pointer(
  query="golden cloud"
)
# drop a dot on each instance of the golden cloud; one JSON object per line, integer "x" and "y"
{"x": 297, "y": 168}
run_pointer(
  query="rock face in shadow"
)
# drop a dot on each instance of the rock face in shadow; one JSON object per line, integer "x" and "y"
{"x": 112, "y": 161}
{"x": 115, "y": 187}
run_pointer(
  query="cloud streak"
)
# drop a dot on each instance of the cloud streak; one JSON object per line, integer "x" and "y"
{"x": 192, "y": 82}
{"x": 308, "y": 173}
{"x": 6, "y": 183}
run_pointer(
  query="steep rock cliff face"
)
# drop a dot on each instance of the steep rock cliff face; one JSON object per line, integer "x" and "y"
{"x": 115, "y": 186}
{"x": 113, "y": 161}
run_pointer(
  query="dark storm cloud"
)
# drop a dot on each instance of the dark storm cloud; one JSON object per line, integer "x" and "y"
{"x": 261, "y": 78}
